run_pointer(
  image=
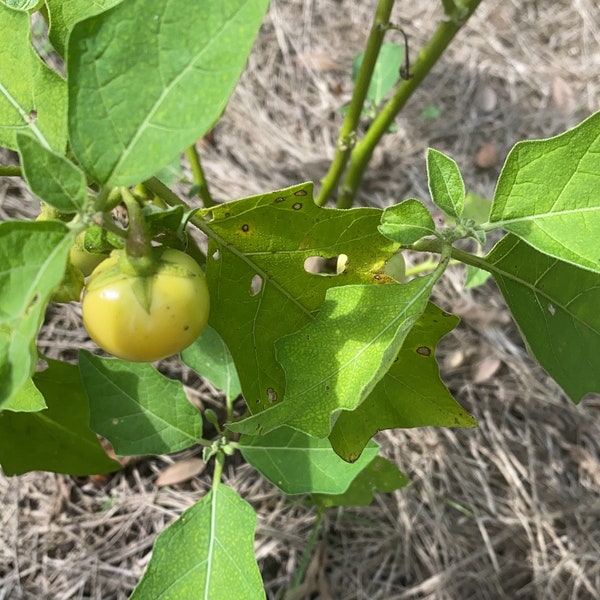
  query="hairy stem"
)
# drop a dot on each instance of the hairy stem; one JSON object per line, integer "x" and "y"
{"x": 347, "y": 135}
{"x": 198, "y": 174}
{"x": 428, "y": 56}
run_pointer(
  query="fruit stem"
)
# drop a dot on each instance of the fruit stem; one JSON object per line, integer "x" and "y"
{"x": 138, "y": 247}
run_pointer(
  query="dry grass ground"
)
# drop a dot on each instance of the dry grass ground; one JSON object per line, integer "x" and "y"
{"x": 509, "y": 510}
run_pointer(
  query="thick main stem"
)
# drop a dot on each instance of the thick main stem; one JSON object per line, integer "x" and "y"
{"x": 347, "y": 135}
{"x": 428, "y": 56}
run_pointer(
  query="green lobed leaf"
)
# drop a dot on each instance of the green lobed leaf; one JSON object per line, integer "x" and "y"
{"x": 135, "y": 105}
{"x": 548, "y": 195}
{"x": 556, "y": 306}
{"x": 407, "y": 222}
{"x": 209, "y": 357}
{"x": 260, "y": 290}
{"x": 57, "y": 439}
{"x": 379, "y": 475}
{"x": 33, "y": 97}
{"x": 33, "y": 258}
{"x": 298, "y": 463}
{"x": 446, "y": 184}
{"x": 65, "y": 13}
{"x": 411, "y": 394}
{"x": 50, "y": 176}
{"x": 207, "y": 554}
{"x": 334, "y": 362}
{"x": 136, "y": 408}
{"x": 27, "y": 399}
{"x": 385, "y": 74}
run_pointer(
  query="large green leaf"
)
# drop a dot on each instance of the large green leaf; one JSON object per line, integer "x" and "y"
{"x": 33, "y": 97}
{"x": 33, "y": 257}
{"x": 52, "y": 177}
{"x": 149, "y": 77}
{"x": 260, "y": 289}
{"x": 379, "y": 475}
{"x": 207, "y": 554}
{"x": 548, "y": 194}
{"x": 210, "y": 358}
{"x": 65, "y": 13}
{"x": 411, "y": 394}
{"x": 335, "y": 361}
{"x": 557, "y": 308}
{"x": 136, "y": 408}
{"x": 301, "y": 464}
{"x": 58, "y": 439}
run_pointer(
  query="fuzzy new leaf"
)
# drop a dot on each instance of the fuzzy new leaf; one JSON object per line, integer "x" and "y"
{"x": 446, "y": 184}
{"x": 407, "y": 222}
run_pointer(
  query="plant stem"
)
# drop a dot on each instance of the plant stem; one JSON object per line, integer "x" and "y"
{"x": 10, "y": 171}
{"x": 347, "y": 135}
{"x": 436, "y": 246}
{"x": 198, "y": 174}
{"x": 308, "y": 550}
{"x": 428, "y": 56}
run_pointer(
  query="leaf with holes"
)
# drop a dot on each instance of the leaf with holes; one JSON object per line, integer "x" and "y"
{"x": 411, "y": 394}
{"x": 334, "y": 362}
{"x": 33, "y": 97}
{"x": 134, "y": 106}
{"x": 547, "y": 195}
{"x": 556, "y": 306}
{"x": 260, "y": 288}
{"x": 136, "y": 408}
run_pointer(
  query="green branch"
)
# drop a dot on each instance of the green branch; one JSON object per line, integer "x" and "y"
{"x": 347, "y": 135}
{"x": 429, "y": 55}
{"x": 199, "y": 179}
{"x": 10, "y": 171}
